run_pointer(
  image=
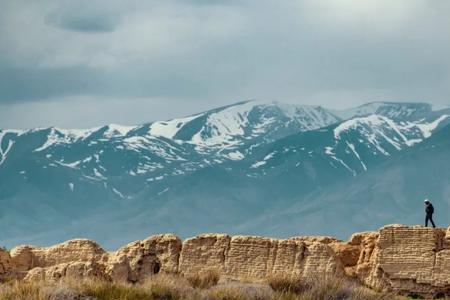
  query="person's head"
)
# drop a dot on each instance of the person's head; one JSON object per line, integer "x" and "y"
{"x": 426, "y": 201}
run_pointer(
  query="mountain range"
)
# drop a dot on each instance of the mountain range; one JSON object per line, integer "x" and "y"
{"x": 253, "y": 167}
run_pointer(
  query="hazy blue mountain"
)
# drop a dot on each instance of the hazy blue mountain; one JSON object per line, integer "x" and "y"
{"x": 239, "y": 168}
{"x": 392, "y": 110}
{"x": 392, "y": 192}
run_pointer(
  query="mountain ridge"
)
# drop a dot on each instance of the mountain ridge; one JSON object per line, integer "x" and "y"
{"x": 227, "y": 168}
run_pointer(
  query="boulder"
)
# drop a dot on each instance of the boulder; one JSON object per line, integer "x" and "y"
{"x": 140, "y": 259}
{"x": 74, "y": 270}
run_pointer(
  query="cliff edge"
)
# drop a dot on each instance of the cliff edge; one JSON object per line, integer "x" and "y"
{"x": 396, "y": 258}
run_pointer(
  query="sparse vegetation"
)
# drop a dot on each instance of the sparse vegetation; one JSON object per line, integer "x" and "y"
{"x": 205, "y": 287}
{"x": 285, "y": 284}
{"x": 328, "y": 288}
{"x": 204, "y": 279}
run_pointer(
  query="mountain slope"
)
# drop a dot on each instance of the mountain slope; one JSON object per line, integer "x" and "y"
{"x": 392, "y": 110}
{"x": 392, "y": 192}
{"x": 228, "y": 169}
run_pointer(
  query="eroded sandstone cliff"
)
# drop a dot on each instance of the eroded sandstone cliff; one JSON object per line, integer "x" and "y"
{"x": 395, "y": 258}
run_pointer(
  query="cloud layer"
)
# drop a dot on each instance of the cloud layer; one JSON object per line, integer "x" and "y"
{"x": 175, "y": 57}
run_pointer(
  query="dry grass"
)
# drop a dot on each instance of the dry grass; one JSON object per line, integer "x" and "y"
{"x": 18, "y": 290}
{"x": 205, "y": 287}
{"x": 239, "y": 291}
{"x": 106, "y": 290}
{"x": 161, "y": 287}
{"x": 328, "y": 288}
{"x": 204, "y": 279}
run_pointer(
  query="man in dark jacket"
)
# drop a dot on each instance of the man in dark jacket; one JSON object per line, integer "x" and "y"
{"x": 429, "y": 210}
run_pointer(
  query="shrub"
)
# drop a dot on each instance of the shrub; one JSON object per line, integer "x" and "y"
{"x": 164, "y": 292}
{"x": 322, "y": 288}
{"x": 14, "y": 290}
{"x": 204, "y": 279}
{"x": 239, "y": 290}
{"x": 59, "y": 291}
{"x": 172, "y": 287}
{"x": 331, "y": 288}
{"x": 103, "y": 290}
{"x": 169, "y": 286}
{"x": 226, "y": 294}
{"x": 288, "y": 284}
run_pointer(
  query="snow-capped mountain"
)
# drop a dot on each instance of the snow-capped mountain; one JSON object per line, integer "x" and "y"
{"x": 353, "y": 145}
{"x": 251, "y": 122}
{"x": 391, "y": 192}
{"x": 220, "y": 169}
{"x": 392, "y": 110}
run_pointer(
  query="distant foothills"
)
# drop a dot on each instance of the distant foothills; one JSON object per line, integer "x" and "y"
{"x": 261, "y": 168}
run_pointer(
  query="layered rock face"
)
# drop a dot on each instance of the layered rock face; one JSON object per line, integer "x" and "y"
{"x": 395, "y": 258}
{"x": 408, "y": 260}
{"x": 245, "y": 257}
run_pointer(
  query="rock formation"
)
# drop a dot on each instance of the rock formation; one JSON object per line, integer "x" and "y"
{"x": 247, "y": 257}
{"x": 407, "y": 260}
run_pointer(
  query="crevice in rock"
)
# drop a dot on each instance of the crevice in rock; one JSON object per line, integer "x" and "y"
{"x": 156, "y": 267}
{"x": 225, "y": 253}
{"x": 274, "y": 250}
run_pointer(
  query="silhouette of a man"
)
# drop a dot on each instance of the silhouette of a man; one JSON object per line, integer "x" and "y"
{"x": 429, "y": 210}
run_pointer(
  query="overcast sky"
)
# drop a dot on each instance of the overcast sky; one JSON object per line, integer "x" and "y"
{"x": 85, "y": 63}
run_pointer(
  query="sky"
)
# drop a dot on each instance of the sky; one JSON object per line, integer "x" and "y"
{"x": 86, "y": 63}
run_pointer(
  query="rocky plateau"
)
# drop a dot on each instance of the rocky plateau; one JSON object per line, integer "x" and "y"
{"x": 397, "y": 258}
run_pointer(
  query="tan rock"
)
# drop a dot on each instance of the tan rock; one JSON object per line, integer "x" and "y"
{"x": 315, "y": 259}
{"x": 256, "y": 258}
{"x": 73, "y": 270}
{"x": 347, "y": 254}
{"x": 397, "y": 258}
{"x": 79, "y": 250}
{"x": 409, "y": 260}
{"x": 140, "y": 259}
{"x": 22, "y": 258}
{"x": 319, "y": 239}
{"x": 207, "y": 251}
{"x": 25, "y": 258}
{"x": 5, "y": 263}
{"x": 248, "y": 257}
{"x": 366, "y": 242}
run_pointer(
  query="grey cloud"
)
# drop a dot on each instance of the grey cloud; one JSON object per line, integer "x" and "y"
{"x": 211, "y": 2}
{"x": 207, "y": 53}
{"x": 84, "y": 23}
{"x": 85, "y": 16}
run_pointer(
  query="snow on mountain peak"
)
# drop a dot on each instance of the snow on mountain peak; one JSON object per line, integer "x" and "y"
{"x": 438, "y": 107}
{"x": 371, "y": 120}
{"x": 388, "y": 109}
{"x": 427, "y": 128}
{"x": 402, "y": 133}
{"x": 4, "y": 151}
{"x": 113, "y": 130}
{"x": 63, "y": 136}
{"x": 232, "y": 125}
{"x": 224, "y": 125}
{"x": 170, "y": 128}
{"x": 225, "y": 129}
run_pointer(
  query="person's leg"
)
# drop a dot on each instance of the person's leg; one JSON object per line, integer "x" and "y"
{"x": 426, "y": 220}
{"x": 431, "y": 220}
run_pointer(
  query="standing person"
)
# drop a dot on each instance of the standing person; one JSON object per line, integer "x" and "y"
{"x": 429, "y": 210}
